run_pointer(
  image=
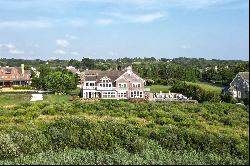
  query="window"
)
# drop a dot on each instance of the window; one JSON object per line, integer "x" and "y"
{"x": 108, "y": 94}
{"x": 122, "y": 95}
{"x": 87, "y": 84}
{"x": 136, "y": 85}
{"x": 122, "y": 85}
{"x": 239, "y": 94}
{"x": 136, "y": 94}
{"x": 140, "y": 94}
{"x": 92, "y": 84}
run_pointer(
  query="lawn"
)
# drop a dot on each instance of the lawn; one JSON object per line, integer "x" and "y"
{"x": 207, "y": 87}
{"x": 13, "y": 99}
{"x": 166, "y": 89}
{"x": 158, "y": 88}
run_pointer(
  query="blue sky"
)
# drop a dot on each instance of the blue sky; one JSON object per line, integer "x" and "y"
{"x": 72, "y": 29}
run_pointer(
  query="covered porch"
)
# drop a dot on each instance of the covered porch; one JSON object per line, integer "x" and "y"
{"x": 14, "y": 83}
{"x": 91, "y": 94}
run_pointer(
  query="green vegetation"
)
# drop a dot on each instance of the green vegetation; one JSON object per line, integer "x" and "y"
{"x": 13, "y": 99}
{"x": 201, "y": 92}
{"x": 158, "y": 88}
{"x": 57, "y": 81}
{"x": 22, "y": 87}
{"x": 206, "y": 87}
{"x": 166, "y": 89}
{"x": 163, "y": 71}
{"x": 61, "y": 131}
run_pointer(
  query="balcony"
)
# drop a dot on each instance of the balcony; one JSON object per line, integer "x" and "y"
{"x": 89, "y": 87}
{"x": 105, "y": 88}
{"x": 122, "y": 88}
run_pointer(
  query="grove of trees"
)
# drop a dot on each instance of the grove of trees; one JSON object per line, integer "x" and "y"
{"x": 55, "y": 80}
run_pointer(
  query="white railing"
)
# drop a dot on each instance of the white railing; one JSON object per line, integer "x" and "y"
{"x": 89, "y": 87}
{"x": 105, "y": 88}
{"x": 122, "y": 88}
{"x": 147, "y": 89}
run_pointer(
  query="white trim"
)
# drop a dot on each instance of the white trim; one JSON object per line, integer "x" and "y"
{"x": 131, "y": 73}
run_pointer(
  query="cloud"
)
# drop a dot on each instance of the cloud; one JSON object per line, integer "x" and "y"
{"x": 78, "y": 23}
{"x": 104, "y": 21}
{"x": 9, "y": 46}
{"x": 27, "y": 24}
{"x": 185, "y": 46}
{"x": 72, "y": 37}
{"x": 59, "y": 51}
{"x": 137, "y": 18}
{"x": 14, "y": 51}
{"x": 62, "y": 43}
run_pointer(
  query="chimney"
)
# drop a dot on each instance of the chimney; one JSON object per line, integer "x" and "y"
{"x": 22, "y": 68}
{"x": 129, "y": 68}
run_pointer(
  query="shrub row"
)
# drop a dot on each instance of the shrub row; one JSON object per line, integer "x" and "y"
{"x": 199, "y": 94}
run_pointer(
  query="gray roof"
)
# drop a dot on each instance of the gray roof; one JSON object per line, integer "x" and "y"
{"x": 244, "y": 75}
{"x": 96, "y": 75}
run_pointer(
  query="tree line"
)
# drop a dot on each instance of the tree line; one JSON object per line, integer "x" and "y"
{"x": 161, "y": 71}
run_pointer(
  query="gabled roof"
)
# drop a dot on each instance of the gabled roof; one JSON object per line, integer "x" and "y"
{"x": 10, "y": 70}
{"x": 96, "y": 75}
{"x": 244, "y": 75}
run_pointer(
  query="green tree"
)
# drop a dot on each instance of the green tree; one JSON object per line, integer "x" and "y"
{"x": 61, "y": 81}
{"x": 39, "y": 81}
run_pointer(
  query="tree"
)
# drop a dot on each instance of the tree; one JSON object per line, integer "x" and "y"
{"x": 61, "y": 81}
{"x": 39, "y": 81}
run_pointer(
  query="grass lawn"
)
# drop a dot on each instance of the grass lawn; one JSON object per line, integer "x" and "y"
{"x": 158, "y": 88}
{"x": 207, "y": 87}
{"x": 13, "y": 99}
{"x": 16, "y": 99}
{"x": 56, "y": 98}
{"x": 165, "y": 89}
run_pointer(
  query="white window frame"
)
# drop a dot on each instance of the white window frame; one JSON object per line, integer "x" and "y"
{"x": 122, "y": 95}
{"x": 239, "y": 94}
{"x": 136, "y": 85}
{"x": 122, "y": 85}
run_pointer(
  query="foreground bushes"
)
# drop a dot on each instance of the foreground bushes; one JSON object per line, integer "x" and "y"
{"x": 119, "y": 132}
{"x": 108, "y": 136}
{"x": 154, "y": 155}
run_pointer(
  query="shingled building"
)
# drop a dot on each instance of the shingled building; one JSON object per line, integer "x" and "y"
{"x": 113, "y": 84}
{"x": 239, "y": 87}
{"x": 10, "y": 76}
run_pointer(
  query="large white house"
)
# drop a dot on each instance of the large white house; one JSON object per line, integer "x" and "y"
{"x": 113, "y": 84}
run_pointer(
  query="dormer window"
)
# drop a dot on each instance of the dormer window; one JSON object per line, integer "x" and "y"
{"x": 136, "y": 85}
{"x": 105, "y": 79}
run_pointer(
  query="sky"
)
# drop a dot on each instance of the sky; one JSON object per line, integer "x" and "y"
{"x": 73, "y": 29}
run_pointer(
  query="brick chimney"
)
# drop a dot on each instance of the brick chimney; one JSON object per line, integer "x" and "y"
{"x": 22, "y": 68}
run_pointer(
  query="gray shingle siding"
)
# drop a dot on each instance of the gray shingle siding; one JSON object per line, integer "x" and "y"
{"x": 239, "y": 87}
